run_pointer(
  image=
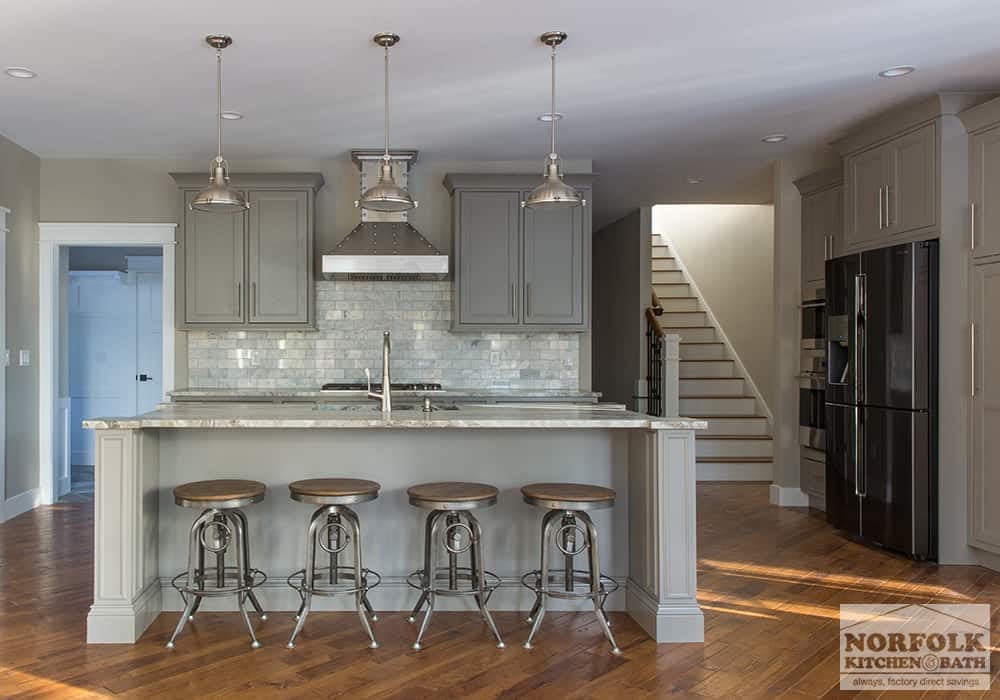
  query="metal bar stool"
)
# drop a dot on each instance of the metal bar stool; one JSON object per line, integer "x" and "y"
{"x": 567, "y": 504}
{"x": 327, "y": 531}
{"x": 450, "y": 503}
{"x": 220, "y": 524}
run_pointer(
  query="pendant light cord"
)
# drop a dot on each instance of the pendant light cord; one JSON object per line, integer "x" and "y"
{"x": 218, "y": 112}
{"x": 386, "y": 156}
{"x": 552, "y": 114}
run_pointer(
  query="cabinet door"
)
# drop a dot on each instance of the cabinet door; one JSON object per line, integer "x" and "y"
{"x": 835, "y": 225}
{"x": 986, "y": 192}
{"x": 488, "y": 258}
{"x": 814, "y": 234}
{"x": 280, "y": 257}
{"x": 214, "y": 290}
{"x": 554, "y": 259}
{"x": 984, "y": 520}
{"x": 866, "y": 176}
{"x": 912, "y": 165}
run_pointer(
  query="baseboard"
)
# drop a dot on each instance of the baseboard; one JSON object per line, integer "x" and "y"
{"x": 21, "y": 503}
{"x": 817, "y": 502}
{"x": 789, "y": 496}
{"x": 124, "y": 623}
{"x": 735, "y": 472}
{"x": 675, "y": 622}
{"x": 63, "y": 486}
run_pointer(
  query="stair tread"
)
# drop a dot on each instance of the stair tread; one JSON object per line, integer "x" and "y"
{"x": 709, "y": 360}
{"x": 703, "y": 436}
{"x": 714, "y": 396}
{"x": 735, "y": 460}
{"x": 713, "y": 379}
{"x": 716, "y": 416}
{"x": 688, "y": 327}
{"x": 703, "y": 342}
{"x": 669, "y": 284}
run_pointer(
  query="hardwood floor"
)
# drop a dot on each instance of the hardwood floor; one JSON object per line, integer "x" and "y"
{"x": 770, "y": 581}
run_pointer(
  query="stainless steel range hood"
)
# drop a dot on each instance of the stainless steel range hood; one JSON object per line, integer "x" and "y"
{"x": 384, "y": 246}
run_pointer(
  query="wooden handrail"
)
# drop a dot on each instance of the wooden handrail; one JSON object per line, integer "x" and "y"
{"x": 655, "y": 322}
{"x": 654, "y": 302}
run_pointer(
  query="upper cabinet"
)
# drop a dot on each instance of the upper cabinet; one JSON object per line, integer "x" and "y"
{"x": 518, "y": 269}
{"x": 253, "y": 269}
{"x": 983, "y": 123}
{"x": 822, "y": 222}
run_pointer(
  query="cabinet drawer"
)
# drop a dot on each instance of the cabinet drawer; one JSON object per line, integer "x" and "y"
{"x": 812, "y": 475}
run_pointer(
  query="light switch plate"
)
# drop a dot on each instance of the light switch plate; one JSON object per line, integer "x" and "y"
{"x": 24, "y": 357}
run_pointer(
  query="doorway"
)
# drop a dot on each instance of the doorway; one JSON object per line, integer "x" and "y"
{"x": 106, "y": 338}
{"x": 113, "y": 346}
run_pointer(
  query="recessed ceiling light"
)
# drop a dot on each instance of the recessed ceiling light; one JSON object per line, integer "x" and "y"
{"x": 694, "y": 180}
{"x": 20, "y": 72}
{"x": 774, "y": 138}
{"x": 550, "y": 116}
{"x": 896, "y": 71}
{"x": 232, "y": 115}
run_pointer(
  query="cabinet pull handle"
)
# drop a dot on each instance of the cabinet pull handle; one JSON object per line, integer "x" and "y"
{"x": 513, "y": 301}
{"x": 239, "y": 299}
{"x": 527, "y": 301}
{"x": 831, "y": 247}
{"x": 888, "y": 206}
{"x": 972, "y": 356}
{"x": 881, "y": 212}
{"x": 253, "y": 298}
{"x": 972, "y": 226}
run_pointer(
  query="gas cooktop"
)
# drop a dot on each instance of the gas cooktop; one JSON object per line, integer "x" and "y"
{"x": 359, "y": 386}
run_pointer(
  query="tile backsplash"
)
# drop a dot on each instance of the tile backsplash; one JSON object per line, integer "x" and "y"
{"x": 351, "y": 317}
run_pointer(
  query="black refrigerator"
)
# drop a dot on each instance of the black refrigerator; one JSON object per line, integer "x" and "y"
{"x": 881, "y": 396}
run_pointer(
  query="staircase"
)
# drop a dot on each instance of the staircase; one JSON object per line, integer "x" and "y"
{"x": 737, "y": 445}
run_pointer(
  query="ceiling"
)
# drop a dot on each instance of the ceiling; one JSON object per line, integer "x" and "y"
{"x": 654, "y": 92}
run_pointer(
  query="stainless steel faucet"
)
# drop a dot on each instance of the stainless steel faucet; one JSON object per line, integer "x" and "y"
{"x": 386, "y": 396}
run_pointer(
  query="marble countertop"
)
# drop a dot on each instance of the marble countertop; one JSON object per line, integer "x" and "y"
{"x": 358, "y": 415}
{"x": 289, "y": 394}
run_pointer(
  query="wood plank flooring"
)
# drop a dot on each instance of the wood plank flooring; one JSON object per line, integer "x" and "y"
{"x": 770, "y": 581}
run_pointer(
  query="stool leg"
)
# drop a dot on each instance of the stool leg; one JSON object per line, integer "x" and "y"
{"x": 220, "y": 558}
{"x": 568, "y": 543}
{"x": 455, "y": 542}
{"x": 538, "y": 594}
{"x": 190, "y": 599}
{"x": 480, "y": 575}
{"x": 248, "y": 570}
{"x": 430, "y": 571}
{"x": 314, "y": 525}
{"x": 241, "y": 573}
{"x": 547, "y": 525}
{"x": 355, "y": 526}
{"x": 428, "y": 545}
{"x": 595, "y": 581}
{"x": 200, "y": 575}
{"x": 333, "y": 542}
{"x": 364, "y": 595}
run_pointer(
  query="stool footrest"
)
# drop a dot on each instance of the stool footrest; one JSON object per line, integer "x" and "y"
{"x": 556, "y": 585}
{"x": 255, "y": 578}
{"x": 439, "y": 585}
{"x": 322, "y": 587}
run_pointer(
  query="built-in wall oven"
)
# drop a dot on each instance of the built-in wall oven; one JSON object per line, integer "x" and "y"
{"x": 812, "y": 377}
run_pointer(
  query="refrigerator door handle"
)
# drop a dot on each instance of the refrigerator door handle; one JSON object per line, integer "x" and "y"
{"x": 860, "y": 483}
{"x": 860, "y": 310}
{"x": 972, "y": 353}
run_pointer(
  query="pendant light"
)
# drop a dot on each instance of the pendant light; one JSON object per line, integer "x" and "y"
{"x": 385, "y": 195}
{"x": 219, "y": 196}
{"x": 553, "y": 192}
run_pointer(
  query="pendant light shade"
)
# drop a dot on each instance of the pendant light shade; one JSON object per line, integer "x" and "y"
{"x": 553, "y": 193}
{"x": 219, "y": 197}
{"x": 385, "y": 195}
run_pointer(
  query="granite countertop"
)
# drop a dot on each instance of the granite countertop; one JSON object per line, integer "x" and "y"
{"x": 278, "y": 394}
{"x": 355, "y": 415}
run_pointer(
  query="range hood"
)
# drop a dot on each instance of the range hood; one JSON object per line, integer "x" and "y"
{"x": 384, "y": 246}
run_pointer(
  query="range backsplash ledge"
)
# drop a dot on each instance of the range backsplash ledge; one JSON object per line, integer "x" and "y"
{"x": 351, "y": 317}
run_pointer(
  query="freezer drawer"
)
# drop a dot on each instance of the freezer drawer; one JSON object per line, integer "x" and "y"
{"x": 843, "y": 504}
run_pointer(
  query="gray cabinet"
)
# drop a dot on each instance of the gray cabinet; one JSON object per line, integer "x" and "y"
{"x": 984, "y": 516}
{"x": 822, "y": 222}
{"x": 518, "y": 269}
{"x": 985, "y": 184}
{"x": 910, "y": 188}
{"x": 865, "y": 205}
{"x": 253, "y": 269}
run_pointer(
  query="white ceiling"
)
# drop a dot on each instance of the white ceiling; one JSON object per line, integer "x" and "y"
{"x": 654, "y": 91}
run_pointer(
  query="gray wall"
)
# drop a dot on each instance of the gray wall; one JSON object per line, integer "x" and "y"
{"x": 621, "y": 293}
{"x": 19, "y": 191}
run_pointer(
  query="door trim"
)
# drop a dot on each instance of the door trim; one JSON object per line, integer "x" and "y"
{"x": 51, "y": 237}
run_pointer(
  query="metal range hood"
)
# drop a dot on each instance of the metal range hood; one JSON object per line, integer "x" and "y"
{"x": 384, "y": 246}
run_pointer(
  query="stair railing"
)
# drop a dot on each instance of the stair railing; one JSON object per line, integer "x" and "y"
{"x": 662, "y": 364}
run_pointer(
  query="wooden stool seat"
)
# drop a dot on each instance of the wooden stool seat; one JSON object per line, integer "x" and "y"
{"x": 334, "y": 491}
{"x": 568, "y": 496}
{"x": 219, "y": 493}
{"x": 452, "y": 495}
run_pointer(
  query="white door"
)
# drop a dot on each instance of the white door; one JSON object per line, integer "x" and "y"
{"x": 148, "y": 284}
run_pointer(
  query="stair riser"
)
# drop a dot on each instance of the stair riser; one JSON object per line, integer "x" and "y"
{"x": 718, "y": 406}
{"x": 754, "y": 471}
{"x": 713, "y": 351}
{"x": 714, "y": 387}
{"x": 665, "y": 291}
{"x": 735, "y": 426}
{"x": 684, "y": 319}
{"x": 692, "y": 335}
{"x": 668, "y": 276}
{"x": 663, "y": 264}
{"x": 707, "y": 447}
{"x": 691, "y": 368}
{"x": 680, "y": 304}
{"x": 661, "y": 251}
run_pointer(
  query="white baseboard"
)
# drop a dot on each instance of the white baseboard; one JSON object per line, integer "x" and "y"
{"x": 817, "y": 502}
{"x": 681, "y": 621}
{"x": 789, "y": 496}
{"x": 63, "y": 486}
{"x": 124, "y": 623}
{"x": 720, "y": 471}
{"x": 21, "y": 503}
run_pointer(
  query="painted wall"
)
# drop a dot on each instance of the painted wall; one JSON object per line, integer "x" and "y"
{"x": 621, "y": 295}
{"x": 728, "y": 251}
{"x": 19, "y": 191}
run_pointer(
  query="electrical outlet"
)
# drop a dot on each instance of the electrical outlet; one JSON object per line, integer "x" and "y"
{"x": 24, "y": 357}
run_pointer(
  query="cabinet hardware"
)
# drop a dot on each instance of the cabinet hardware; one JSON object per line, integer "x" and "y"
{"x": 513, "y": 301}
{"x": 972, "y": 354}
{"x": 527, "y": 301}
{"x": 880, "y": 211}
{"x": 826, "y": 248}
{"x": 888, "y": 206}
{"x": 253, "y": 299}
{"x": 972, "y": 226}
{"x": 239, "y": 299}
{"x": 832, "y": 252}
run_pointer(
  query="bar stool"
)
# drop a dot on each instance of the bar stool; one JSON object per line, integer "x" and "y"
{"x": 327, "y": 530}
{"x": 220, "y": 524}
{"x": 450, "y": 502}
{"x": 570, "y": 501}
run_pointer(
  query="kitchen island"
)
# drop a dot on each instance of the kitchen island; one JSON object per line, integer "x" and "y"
{"x": 647, "y": 539}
